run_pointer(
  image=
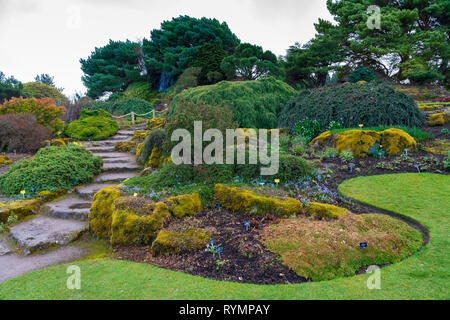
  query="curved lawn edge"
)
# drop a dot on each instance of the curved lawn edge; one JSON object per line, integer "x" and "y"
{"x": 422, "y": 276}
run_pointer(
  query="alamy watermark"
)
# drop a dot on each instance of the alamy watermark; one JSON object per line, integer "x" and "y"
{"x": 234, "y": 144}
{"x": 374, "y": 281}
{"x": 374, "y": 20}
{"x": 74, "y": 280}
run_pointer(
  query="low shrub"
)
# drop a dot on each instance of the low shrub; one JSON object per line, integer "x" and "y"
{"x": 21, "y": 132}
{"x": 41, "y": 90}
{"x": 371, "y": 104}
{"x": 157, "y": 138}
{"x": 255, "y": 104}
{"x": 51, "y": 169}
{"x": 45, "y": 111}
{"x": 92, "y": 125}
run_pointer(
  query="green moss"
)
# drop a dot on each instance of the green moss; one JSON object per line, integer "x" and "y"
{"x": 185, "y": 205}
{"x": 124, "y": 146}
{"x": 245, "y": 202}
{"x": 21, "y": 209}
{"x": 100, "y": 215}
{"x": 169, "y": 242}
{"x": 325, "y": 210}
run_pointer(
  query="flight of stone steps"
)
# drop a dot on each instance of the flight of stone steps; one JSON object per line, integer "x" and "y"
{"x": 64, "y": 220}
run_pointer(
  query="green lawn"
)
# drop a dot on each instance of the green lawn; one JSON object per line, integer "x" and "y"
{"x": 423, "y": 197}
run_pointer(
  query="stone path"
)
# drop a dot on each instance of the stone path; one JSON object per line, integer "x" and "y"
{"x": 64, "y": 220}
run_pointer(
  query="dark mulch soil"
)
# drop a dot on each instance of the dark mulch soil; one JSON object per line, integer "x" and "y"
{"x": 244, "y": 258}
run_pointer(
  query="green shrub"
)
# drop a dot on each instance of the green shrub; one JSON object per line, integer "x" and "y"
{"x": 122, "y": 106}
{"x": 371, "y": 104}
{"x": 188, "y": 79}
{"x": 92, "y": 125}
{"x": 40, "y": 90}
{"x": 51, "y": 169}
{"x": 255, "y": 104}
{"x": 361, "y": 74}
{"x": 155, "y": 138}
{"x": 140, "y": 91}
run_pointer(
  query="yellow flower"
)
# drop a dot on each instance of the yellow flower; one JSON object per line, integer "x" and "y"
{"x": 361, "y": 125}
{"x": 277, "y": 181}
{"x": 135, "y": 194}
{"x": 22, "y": 192}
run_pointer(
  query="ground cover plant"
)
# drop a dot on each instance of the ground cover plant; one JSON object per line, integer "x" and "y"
{"x": 51, "y": 169}
{"x": 423, "y": 275}
{"x": 92, "y": 125}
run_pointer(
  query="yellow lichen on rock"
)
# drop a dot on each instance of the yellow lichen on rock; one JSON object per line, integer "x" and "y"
{"x": 395, "y": 141}
{"x": 438, "y": 119}
{"x": 323, "y": 140}
{"x": 169, "y": 242}
{"x": 139, "y": 148}
{"x": 325, "y": 210}
{"x": 125, "y": 146}
{"x": 154, "y": 160}
{"x": 4, "y": 161}
{"x": 358, "y": 142}
{"x": 49, "y": 196}
{"x": 20, "y": 208}
{"x": 185, "y": 205}
{"x": 139, "y": 135}
{"x": 245, "y": 202}
{"x": 128, "y": 228}
{"x": 100, "y": 215}
{"x": 156, "y": 123}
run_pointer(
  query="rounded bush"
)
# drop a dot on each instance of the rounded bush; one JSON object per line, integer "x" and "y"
{"x": 92, "y": 125}
{"x": 255, "y": 104}
{"x": 371, "y": 104}
{"x": 51, "y": 169}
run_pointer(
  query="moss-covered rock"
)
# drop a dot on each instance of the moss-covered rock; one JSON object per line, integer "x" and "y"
{"x": 185, "y": 205}
{"x": 100, "y": 215}
{"x": 154, "y": 161}
{"x": 49, "y": 196}
{"x": 325, "y": 210}
{"x": 245, "y": 202}
{"x": 124, "y": 146}
{"x": 139, "y": 148}
{"x": 4, "y": 161}
{"x": 139, "y": 135}
{"x": 438, "y": 119}
{"x": 156, "y": 123}
{"x": 169, "y": 242}
{"x": 128, "y": 228}
{"x": 20, "y": 209}
{"x": 393, "y": 141}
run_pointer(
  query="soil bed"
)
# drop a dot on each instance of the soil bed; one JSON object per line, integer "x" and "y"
{"x": 244, "y": 258}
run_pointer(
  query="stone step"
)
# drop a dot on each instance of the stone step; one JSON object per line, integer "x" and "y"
{"x": 44, "y": 232}
{"x": 70, "y": 207}
{"x": 125, "y": 132}
{"x": 89, "y": 191}
{"x": 119, "y": 137}
{"x": 114, "y": 177}
{"x": 111, "y": 155}
{"x": 129, "y": 159}
{"x": 101, "y": 149}
{"x": 120, "y": 167}
{"x": 107, "y": 143}
{"x": 4, "y": 248}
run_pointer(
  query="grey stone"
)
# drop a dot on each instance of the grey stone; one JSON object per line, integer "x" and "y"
{"x": 4, "y": 248}
{"x": 89, "y": 191}
{"x": 44, "y": 232}
{"x": 114, "y": 177}
{"x": 70, "y": 207}
{"x": 120, "y": 167}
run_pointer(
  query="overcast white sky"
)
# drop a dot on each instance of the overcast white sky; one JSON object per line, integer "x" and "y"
{"x": 50, "y": 36}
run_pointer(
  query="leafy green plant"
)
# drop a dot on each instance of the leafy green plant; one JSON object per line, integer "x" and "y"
{"x": 12, "y": 219}
{"x": 51, "y": 169}
{"x": 346, "y": 156}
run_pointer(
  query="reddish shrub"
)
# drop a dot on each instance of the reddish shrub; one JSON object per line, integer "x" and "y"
{"x": 21, "y": 132}
{"x": 44, "y": 110}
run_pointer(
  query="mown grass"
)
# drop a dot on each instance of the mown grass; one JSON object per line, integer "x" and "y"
{"x": 422, "y": 197}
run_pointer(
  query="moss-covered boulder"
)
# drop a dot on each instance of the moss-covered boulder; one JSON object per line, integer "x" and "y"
{"x": 185, "y": 205}
{"x": 124, "y": 146}
{"x": 100, "y": 215}
{"x": 139, "y": 148}
{"x": 248, "y": 203}
{"x": 129, "y": 228}
{"x": 170, "y": 243}
{"x": 20, "y": 208}
{"x": 140, "y": 135}
{"x": 359, "y": 142}
{"x": 156, "y": 123}
{"x": 322, "y": 210}
{"x": 438, "y": 119}
{"x": 154, "y": 161}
